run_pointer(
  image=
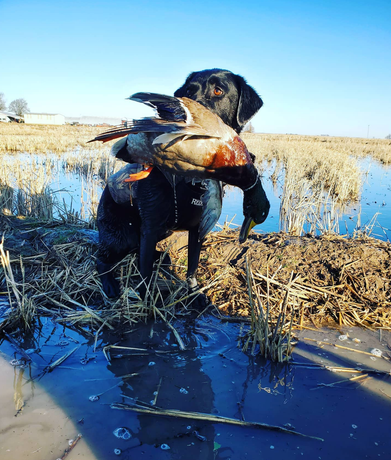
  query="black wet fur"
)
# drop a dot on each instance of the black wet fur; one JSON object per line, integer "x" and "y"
{"x": 125, "y": 228}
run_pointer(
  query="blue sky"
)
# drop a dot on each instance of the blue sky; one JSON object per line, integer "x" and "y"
{"x": 321, "y": 67}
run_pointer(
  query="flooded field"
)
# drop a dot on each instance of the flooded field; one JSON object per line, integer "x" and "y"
{"x": 339, "y": 398}
{"x": 372, "y": 210}
{"x": 77, "y": 189}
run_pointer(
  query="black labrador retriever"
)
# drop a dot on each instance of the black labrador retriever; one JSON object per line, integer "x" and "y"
{"x": 158, "y": 208}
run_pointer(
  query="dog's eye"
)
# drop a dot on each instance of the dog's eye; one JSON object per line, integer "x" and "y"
{"x": 217, "y": 92}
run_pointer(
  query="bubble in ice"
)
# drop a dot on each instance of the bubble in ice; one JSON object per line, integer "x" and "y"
{"x": 122, "y": 433}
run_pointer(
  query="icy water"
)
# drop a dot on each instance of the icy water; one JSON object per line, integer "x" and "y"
{"x": 375, "y": 201}
{"x": 43, "y": 411}
{"x": 82, "y": 194}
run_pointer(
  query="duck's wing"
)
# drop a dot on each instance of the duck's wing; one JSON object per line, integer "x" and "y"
{"x": 166, "y": 131}
{"x": 212, "y": 201}
{"x": 175, "y": 121}
{"x": 144, "y": 125}
{"x": 168, "y": 108}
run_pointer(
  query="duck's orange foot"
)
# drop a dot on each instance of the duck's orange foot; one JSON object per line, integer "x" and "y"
{"x": 140, "y": 175}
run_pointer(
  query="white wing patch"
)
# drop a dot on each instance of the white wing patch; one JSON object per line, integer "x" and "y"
{"x": 166, "y": 138}
{"x": 189, "y": 118}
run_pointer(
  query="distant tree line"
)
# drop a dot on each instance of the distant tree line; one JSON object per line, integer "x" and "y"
{"x": 388, "y": 137}
{"x": 18, "y": 106}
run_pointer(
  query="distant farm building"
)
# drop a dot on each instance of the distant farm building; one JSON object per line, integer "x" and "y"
{"x": 93, "y": 121}
{"x": 44, "y": 119}
{"x": 6, "y": 117}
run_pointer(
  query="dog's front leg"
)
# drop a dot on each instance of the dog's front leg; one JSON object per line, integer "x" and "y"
{"x": 194, "y": 250}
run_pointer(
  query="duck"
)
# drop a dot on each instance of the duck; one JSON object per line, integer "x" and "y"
{"x": 187, "y": 140}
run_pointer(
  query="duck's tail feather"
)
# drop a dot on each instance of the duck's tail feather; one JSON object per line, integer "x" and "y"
{"x": 168, "y": 107}
{"x": 152, "y": 125}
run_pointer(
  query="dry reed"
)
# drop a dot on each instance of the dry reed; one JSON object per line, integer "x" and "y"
{"x": 320, "y": 176}
{"x": 153, "y": 410}
{"x": 60, "y": 279}
{"x": 272, "y": 146}
{"x": 29, "y": 184}
{"x": 16, "y": 137}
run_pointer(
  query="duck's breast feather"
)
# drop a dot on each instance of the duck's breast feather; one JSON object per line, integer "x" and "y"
{"x": 228, "y": 154}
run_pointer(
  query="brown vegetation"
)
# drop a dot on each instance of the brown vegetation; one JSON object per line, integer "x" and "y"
{"x": 270, "y": 146}
{"x": 18, "y": 137}
{"x": 276, "y": 281}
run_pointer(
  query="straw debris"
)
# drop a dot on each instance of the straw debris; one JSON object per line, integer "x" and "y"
{"x": 322, "y": 280}
{"x": 274, "y": 282}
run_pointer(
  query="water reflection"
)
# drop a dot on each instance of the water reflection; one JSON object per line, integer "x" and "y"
{"x": 211, "y": 376}
{"x": 170, "y": 379}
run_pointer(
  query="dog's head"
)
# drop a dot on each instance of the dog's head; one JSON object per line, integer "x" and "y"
{"x": 224, "y": 93}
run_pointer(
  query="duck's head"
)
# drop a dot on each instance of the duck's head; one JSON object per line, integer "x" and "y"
{"x": 255, "y": 208}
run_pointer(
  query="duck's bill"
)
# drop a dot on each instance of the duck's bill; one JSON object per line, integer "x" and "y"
{"x": 247, "y": 225}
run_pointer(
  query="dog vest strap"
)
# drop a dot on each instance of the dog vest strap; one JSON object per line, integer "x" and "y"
{"x": 252, "y": 186}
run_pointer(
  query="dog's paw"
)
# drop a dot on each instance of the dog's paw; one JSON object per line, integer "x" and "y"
{"x": 110, "y": 285}
{"x": 197, "y": 302}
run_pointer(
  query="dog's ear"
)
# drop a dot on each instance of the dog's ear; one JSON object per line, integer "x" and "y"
{"x": 249, "y": 103}
{"x": 181, "y": 92}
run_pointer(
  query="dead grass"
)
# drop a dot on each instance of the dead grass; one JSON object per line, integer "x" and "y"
{"x": 319, "y": 176}
{"x": 328, "y": 279}
{"x": 15, "y": 137}
{"x": 49, "y": 269}
{"x": 271, "y": 146}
